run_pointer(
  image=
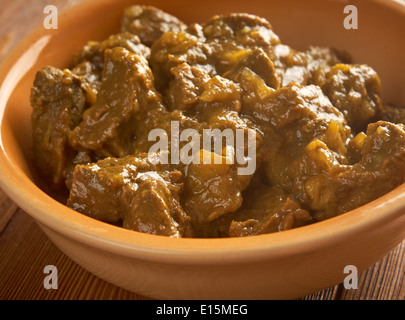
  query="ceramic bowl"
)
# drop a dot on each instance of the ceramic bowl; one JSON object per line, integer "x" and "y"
{"x": 283, "y": 265}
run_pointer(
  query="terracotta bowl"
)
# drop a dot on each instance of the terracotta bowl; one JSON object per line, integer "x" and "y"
{"x": 284, "y": 265}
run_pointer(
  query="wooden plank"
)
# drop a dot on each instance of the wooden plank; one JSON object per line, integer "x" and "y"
{"x": 327, "y": 294}
{"x": 7, "y": 210}
{"x": 383, "y": 281}
{"x": 25, "y": 251}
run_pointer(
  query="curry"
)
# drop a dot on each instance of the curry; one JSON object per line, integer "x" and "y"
{"x": 325, "y": 143}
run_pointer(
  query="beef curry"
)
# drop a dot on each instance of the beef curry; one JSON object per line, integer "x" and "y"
{"x": 325, "y": 142}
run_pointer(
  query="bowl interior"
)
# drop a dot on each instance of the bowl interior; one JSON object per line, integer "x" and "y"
{"x": 377, "y": 42}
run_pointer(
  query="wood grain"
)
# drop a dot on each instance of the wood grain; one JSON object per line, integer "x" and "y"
{"x": 25, "y": 250}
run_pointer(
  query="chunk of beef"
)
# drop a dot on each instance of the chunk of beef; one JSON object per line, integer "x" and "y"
{"x": 214, "y": 48}
{"x": 126, "y": 100}
{"x": 320, "y": 60}
{"x": 230, "y": 37}
{"x": 291, "y": 65}
{"x": 345, "y": 187}
{"x": 296, "y": 117}
{"x": 356, "y": 91}
{"x": 59, "y": 101}
{"x": 391, "y": 113}
{"x": 145, "y": 197}
{"x": 89, "y": 63}
{"x": 149, "y": 23}
{"x": 265, "y": 209}
{"x": 259, "y": 63}
{"x": 174, "y": 49}
{"x": 216, "y": 184}
{"x": 186, "y": 87}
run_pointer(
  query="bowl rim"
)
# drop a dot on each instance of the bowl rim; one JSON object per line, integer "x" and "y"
{"x": 69, "y": 223}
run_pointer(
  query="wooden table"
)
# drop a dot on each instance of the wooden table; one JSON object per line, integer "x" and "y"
{"x": 25, "y": 250}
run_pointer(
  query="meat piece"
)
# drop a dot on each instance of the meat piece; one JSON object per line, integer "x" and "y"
{"x": 257, "y": 78}
{"x": 230, "y": 37}
{"x": 149, "y": 23}
{"x": 379, "y": 171}
{"x": 58, "y": 100}
{"x": 126, "y": 98}
{"x": 93, "y": 51}
{"x": 145, "y": 197}
{"x": 292, "y": 116}
{"x": 290, "y": 64}
{"x": 186, "y": 87}
{"x": 220, "y": 95}
{"x": 214, "y": 49}
{"x": 321, "y": 60}
{"x": 296, "y": 117}
{"x": 265, "y": 209}
{"x": 176, "y": 48}
{"x": 392, "y": 113}
{"x": 89, "y": 63}
{"x": 356, "y": 91}
{"x": 197, "y": 93}
{"x": 216, "y": 184}
{"x": 240, "y": 27}
{"x": 214, "y": 102}
{"x": 259, "y": 63}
